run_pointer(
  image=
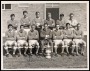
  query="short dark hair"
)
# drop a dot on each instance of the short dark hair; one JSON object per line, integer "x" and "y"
{"x": 45, "y": 24}
{"x": 25, "y": 12}
{"x": 78, "y": 24}
{"x": 21, "y": 26}
{"x": 67, "y": 24}
{"x": 71, "y": 14}
{"x": 12, "y": 15}
{"x": 61, "y": 14}
{"x": 10, "y": 25}
{"x": 37, "y": 12}
{"x": 57, "y": 24}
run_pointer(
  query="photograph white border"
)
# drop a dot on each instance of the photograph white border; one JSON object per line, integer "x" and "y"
{"x": 16, "y": 2}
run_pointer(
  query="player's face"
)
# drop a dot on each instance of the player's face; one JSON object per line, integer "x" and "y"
{"x": 68, "y": 26}
{"x": 71, "y": 16}
{"x": 49, "y": 15}
{"x": 25, "y": 14}
{"x": 33, "y": 27}
{"x": 45, "y": 26}
{"x": 38, "y": 15}
{"x": 61, "y": 17}
{"x": 10, "y": 28}
{"x": 78, "y": 27}
{"x": 57, "y": 27}
{"x": 22, "y": 28}
{"x": 12, "y": 17}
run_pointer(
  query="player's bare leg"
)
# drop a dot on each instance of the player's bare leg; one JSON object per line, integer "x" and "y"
{"x": 55, "y": 50}
{"x": 62, "y": 52}
{"x": 14, "y": 50}
{"x": 30, "y": 49}
{"x": 37, "y": 49}
{"x": 67, "y": 50}
{"x": 26, "y": 48}
{"x": 83, "y": 49}
{"x": 19, "y": 49}
{"x": 77, "y": 50}
{"x": 73, "y": 48}
{"x": 7, "y": 52}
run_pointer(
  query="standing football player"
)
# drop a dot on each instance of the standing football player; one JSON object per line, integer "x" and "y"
{"x": 61, "y": 22}
{"x": 13, "y": 22}
{"x": 50, "y": 21}
{"x": 25, "y": 21}
{"x": 73, "y": 22}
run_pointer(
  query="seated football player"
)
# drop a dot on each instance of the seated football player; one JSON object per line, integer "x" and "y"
{"x": 57, "y": 38}
{"x": 10, "y": 40}
{"x": 50, "y": 22}
{"x": 13, "y": 22}
{"x": 22, "y": 40}
{"x": 45, "y": 38}
{"x": 78, "y": 39}
{"x": 33, "y": 37}
{"x": 26, "y": 21}
{"x": 67, "y": 38}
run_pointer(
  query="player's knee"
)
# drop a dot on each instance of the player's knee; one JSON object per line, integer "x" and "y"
{"x": 15, "y": 48}
{"x": 18, "y": 44}
{"x": 26, "y": 44}
{"x": 5, "y": 44}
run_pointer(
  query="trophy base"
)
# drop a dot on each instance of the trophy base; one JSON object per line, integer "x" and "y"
{"x": 48, "y": 57}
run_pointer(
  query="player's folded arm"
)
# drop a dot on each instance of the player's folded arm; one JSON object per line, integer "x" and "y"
{"x": 42, "y": 35}
{"x": 59, "y": 37}
{"x": 70, "y": 36}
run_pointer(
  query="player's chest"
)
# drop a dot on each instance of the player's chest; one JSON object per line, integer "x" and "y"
{"x": 68, "y": 32}
{"x": 78, "y": 32}
{"x": 22, "y": 34}
{"x": 49, "y": 21}
{"x": 10, "y": 34}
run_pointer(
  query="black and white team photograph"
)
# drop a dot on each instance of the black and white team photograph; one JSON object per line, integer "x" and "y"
{"x": 45, "y": 35}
